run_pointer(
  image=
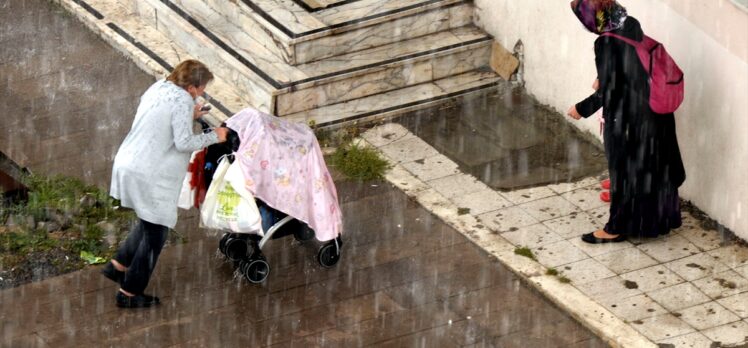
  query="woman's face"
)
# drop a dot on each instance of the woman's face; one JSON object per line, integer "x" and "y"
{"x": 196, "y": 91}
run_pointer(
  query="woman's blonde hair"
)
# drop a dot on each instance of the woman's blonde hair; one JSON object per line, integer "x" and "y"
{"x": 190, "y": 73}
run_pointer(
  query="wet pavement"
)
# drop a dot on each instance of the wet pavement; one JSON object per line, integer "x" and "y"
{"x": 406, "y": 280}
{"x": 508, "y": 140}
{"x": 66, "y": 96}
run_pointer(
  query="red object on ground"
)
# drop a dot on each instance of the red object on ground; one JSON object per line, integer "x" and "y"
{"x": 605, "y": 196}
{"x": 605, "y": 184}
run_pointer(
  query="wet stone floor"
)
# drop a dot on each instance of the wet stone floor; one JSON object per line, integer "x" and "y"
{"x": 405, "y": 280}
{"x": 507, "y": 140}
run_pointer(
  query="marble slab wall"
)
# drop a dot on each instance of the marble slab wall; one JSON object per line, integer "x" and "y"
{"x": 241, "y": 41}
{"x": 242, "y": 17}
{"x": 200, "y": 47}
{"x": 392, "y": 103}
{"x": 397, "y": 29}
{"x": 462, "y": 62}
{"x": 375, "y": 81}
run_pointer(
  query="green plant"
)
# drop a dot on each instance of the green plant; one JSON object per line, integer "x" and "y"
{"x": 62, "y": 216}
{"x": 60, "y": 193}
{"x": 24, "y": 242}
{"x": 359, "y": 162}
{"x": 336, "y": 137}
{"x": 551, "y": 272}
{"x": 526, "y": 252}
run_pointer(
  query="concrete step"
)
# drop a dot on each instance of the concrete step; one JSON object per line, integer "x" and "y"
{"x": 237, "y": 86}
{"x": 393, "y": 103}
{"x": 299, "y": 34}
{"x": 318, "y": 5}
{"x": 324, "y": 82}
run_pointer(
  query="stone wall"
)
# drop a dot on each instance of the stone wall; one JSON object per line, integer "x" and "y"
{"x": 707, "y": 38}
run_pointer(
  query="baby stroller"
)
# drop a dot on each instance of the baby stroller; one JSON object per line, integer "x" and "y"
{"x": 285, "y": 171}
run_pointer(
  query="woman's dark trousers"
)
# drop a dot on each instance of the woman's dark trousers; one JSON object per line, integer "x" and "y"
{"x": 140, "y": 253}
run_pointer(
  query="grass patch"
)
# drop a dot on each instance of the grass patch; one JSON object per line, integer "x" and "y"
{"x": 335, "y": 137}
{"x": 561, "y": 277}
{"x": 526, "y": 252}
{"x": 463, "y": 211}
{"x": 62, "y": 218}
{"x": 359, "y": 162}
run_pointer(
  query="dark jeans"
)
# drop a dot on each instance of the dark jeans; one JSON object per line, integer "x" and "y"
{"x": 140, "y": 253}
{"x": 269, "y": 215}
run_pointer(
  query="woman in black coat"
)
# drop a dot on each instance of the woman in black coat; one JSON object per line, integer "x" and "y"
{"x": 644, "y": 160}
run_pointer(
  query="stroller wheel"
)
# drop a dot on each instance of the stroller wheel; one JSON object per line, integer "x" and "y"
{"x": 328, "y": 255}
{"x": 236, "y": 249}
{"x": 304, "y": 233}
{"x": 222, "y": 243}
{"x": 256, "y": 270}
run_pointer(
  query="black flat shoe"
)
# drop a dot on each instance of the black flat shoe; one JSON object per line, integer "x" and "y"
{"x": 590, "y": 238}
{"x": 112, "y": 273}
{"x": 137, "y": 301}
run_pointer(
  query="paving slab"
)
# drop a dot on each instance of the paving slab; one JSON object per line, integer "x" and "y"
{"x": 685, "y": 289}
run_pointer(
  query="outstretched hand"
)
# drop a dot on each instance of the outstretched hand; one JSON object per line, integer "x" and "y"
{"x": 573, "y": 113}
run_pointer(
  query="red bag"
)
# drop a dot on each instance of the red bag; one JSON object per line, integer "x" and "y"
{"x": 197, "y": 182}
{"x": 666, "y": 84}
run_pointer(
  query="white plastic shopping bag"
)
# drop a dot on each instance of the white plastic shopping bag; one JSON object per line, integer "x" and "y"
{"x": 228, "y": 205}
{"x": 187, "y": 194}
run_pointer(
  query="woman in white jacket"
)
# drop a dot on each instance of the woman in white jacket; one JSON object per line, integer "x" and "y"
{"x": 148, "y": 172}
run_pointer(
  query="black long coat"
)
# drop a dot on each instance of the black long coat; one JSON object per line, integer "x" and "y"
{"x": 642, "y": 148}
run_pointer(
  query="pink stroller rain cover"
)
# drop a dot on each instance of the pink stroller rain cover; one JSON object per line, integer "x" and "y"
{"x": 284, "y": 167}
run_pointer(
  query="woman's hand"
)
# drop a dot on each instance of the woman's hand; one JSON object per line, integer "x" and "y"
{"x": 197, "y": 113}
{"x": 596, "y": 84}
{"x": 573, "y": 113}
{"x": 222, "y": 133}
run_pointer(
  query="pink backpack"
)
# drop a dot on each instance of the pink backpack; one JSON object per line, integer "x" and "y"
{"x": 666, "y": 85}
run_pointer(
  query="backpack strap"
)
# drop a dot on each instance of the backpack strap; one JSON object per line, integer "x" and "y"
{"x": 624, "y": 39}
{"x": 640, "y": 45}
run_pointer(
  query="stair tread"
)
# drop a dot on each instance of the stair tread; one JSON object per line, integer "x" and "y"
{"x": 322, "y": 4}
{"x": 286, "y": 75}
{"x": 368, "y": 9}
{"x": 292, "y": 16}
{"x": 429, "y": 43}
{"x": 299, "y": 22}
{"x": 398, "y": 99}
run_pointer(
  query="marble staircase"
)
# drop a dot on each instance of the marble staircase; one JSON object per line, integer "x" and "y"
{"x": 323, "y": 61}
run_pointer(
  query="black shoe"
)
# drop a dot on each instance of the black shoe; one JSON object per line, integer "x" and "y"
{"x": 137, "y": 301}
{"x": 590, "y": 238}
{"x": 153, "y": 299}
{"x": 112, "y": 273}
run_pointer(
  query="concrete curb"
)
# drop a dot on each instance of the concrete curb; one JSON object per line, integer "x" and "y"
{"x": 588, "y": 312}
